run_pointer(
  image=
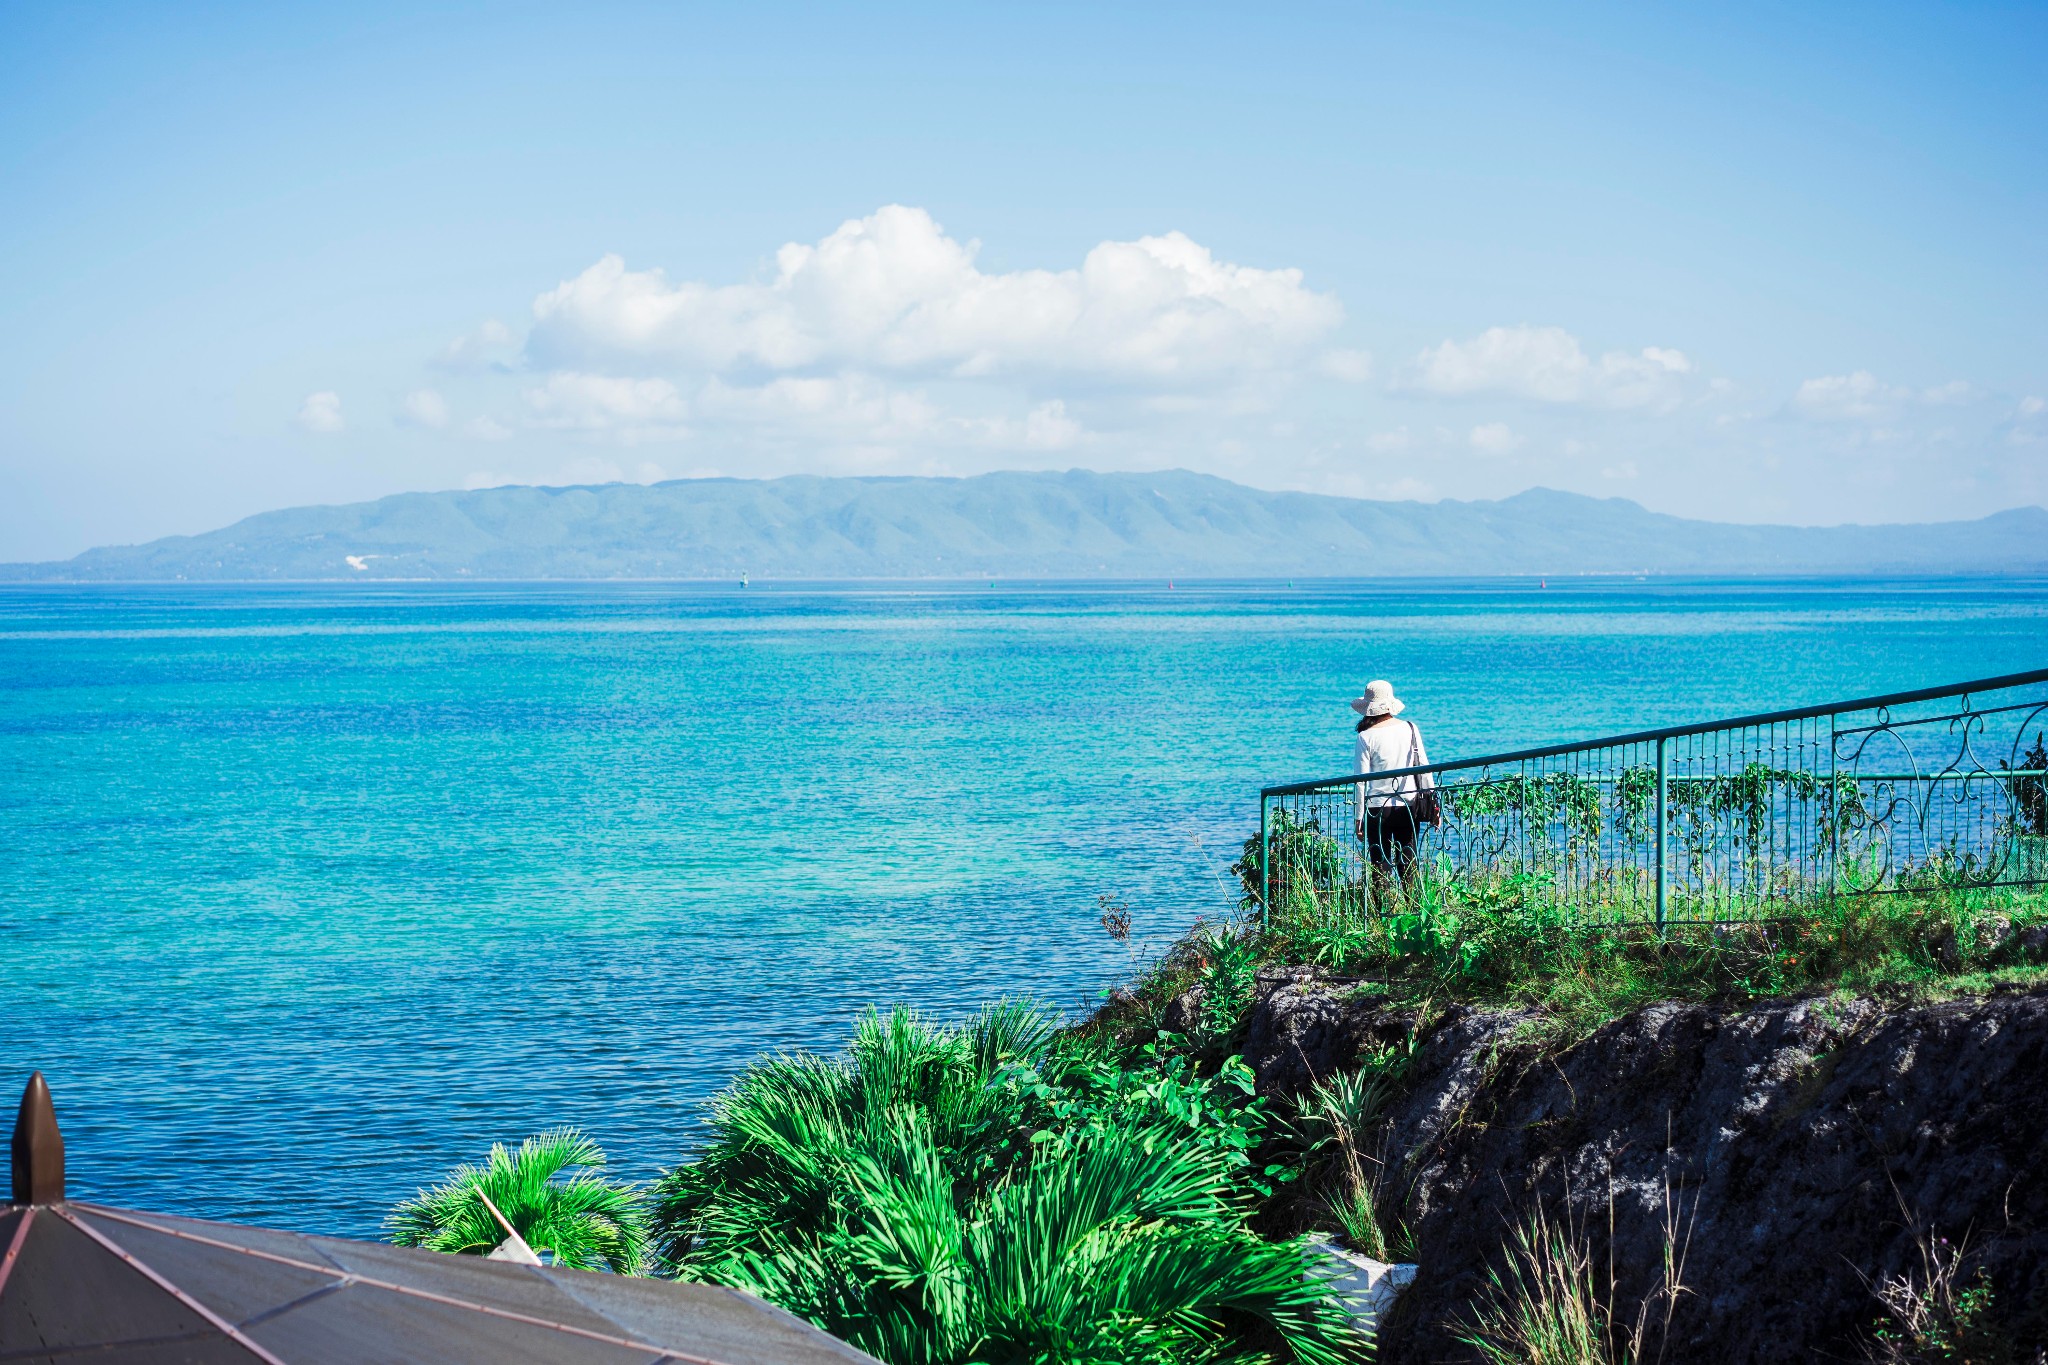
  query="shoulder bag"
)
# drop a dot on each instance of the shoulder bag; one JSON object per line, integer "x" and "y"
{"x": 1427, "y": 810}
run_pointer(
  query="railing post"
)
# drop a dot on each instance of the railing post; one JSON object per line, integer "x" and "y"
{"x": 1663, "y": 823}
{"x": 1834, "y": 806}
{"x": 1265, "y": 865}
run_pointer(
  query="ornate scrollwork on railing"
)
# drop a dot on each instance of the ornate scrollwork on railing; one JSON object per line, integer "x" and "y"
{"x": 1935, "y": 809}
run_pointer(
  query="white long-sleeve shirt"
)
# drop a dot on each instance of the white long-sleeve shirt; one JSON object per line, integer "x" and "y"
{"x": 1390, "y": 745}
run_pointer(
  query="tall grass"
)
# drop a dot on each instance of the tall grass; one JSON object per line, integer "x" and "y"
{"x": 1542, "y": 1308}
{"x": 1331, "y": 1122}
{"x": 1549, "y": 1303}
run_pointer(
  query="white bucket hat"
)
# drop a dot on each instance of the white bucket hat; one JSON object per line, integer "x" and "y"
{"x": 1379, "y": 700}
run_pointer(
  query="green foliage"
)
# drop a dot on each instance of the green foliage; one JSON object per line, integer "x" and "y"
{"x": 1698, "y": 808}
{"x": 1227, "y": 965}
{"x": 2030, "y": 792}
{"x": 1535, "y": 937}
{"x": 1336, "y": 1110}
{"x": 1294, "y": 864}
{"x": 585, "y": 1221}
{"x": 996, "y": 1192}
{"x": 1537, "y": 802}
{"x": 1330, "y": 1124}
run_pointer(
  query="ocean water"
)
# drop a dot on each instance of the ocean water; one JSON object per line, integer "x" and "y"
{"x": 307, "y": 893}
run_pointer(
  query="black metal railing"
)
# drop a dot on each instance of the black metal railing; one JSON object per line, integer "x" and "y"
{"x": 1726, "y": 820}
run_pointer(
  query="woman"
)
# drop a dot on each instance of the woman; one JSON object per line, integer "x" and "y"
{"x": 1391, "y": 810}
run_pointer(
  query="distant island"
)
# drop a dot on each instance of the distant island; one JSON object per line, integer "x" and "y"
{"x": 1076, "y": 524}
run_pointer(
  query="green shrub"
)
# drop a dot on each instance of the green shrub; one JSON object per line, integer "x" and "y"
{"x": 996, "y": 1192}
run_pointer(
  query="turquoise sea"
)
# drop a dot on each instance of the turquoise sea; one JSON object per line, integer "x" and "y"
{"x": 308, "y": 892}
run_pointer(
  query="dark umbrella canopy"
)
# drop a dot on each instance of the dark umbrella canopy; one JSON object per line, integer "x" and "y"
{"x": 84, "y": 1282}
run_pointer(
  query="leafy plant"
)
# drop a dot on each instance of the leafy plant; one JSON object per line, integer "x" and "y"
{"x": 1334, "y": 1118}
{"x": 2030, "y": 792}
{"x": 999, "y": 1191}
{"x": 584, "y": 1221}
{"x": 1228, "y": 965}
{"x": 1293, "y": 865}
{"x": 1579, "y": 949}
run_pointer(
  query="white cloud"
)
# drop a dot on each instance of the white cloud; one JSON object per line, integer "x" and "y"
{"x": 424, "y": 408}
{"x": 1047, "y": 427}
{"x": 1350, "y": 367}
{"x": 1548, "y": 365}
{"x": 492, "y": 344}
{"x": 840, "y": 405}
{"x": 321, "y": 412}
{"x": 1847, "y": 396}
{"x": 1493, "y": 438}
{"x": 1861, "y": 396}
{"x": 2031, "y": 406}
{"x": 486, "y": 429}
{"x": 853, "y": 407}
{"x": 892, "y": 292}
{"x": 596, "y": 402}
{"x": 596, "y": 469}
{"x": 1388, "y": 441}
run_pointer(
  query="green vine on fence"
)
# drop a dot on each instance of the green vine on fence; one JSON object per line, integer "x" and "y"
{"x": 1537, "y": 801}
{"x": 1695, "y": 805}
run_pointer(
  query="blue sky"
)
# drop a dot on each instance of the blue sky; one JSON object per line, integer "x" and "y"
{"x": 1743, "y": 262}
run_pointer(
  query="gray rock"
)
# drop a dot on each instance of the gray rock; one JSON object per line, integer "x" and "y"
{"x": 1797, "y": 1148}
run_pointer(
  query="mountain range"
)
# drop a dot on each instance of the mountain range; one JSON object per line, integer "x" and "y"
{"x": 1076, "y": 524}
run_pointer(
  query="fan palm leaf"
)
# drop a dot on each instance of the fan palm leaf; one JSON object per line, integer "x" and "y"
{"x": 585, "y": 1221}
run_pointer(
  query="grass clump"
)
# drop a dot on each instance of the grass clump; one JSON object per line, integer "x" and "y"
{"x": 1330, "y": 1125}
{"x": 1549, "y": 1304}
{"x": 1543, "y": 1309}
{"x": 999, "y": 1191}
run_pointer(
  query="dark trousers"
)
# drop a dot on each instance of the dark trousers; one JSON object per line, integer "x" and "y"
{"x": 1390, "y": 835}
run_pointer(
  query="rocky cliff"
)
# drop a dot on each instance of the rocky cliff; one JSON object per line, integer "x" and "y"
{"x": 1797, "y": 1154}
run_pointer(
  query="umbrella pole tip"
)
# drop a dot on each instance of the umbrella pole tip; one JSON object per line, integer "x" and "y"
{"x": 38, "y": 1147}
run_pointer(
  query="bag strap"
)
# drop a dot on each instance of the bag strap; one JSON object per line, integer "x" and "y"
{"x": 1414, "y": 748}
